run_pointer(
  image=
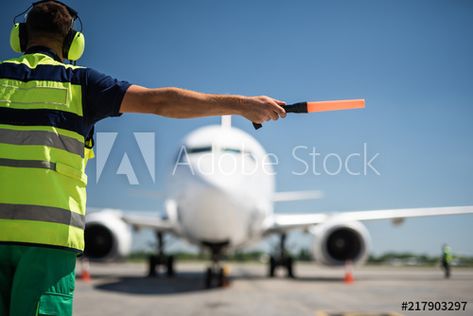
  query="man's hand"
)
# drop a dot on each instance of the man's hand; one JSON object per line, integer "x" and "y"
{"x": 262, "y": 108}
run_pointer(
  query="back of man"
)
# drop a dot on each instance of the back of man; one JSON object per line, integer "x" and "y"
{"x": 47, "y": 113}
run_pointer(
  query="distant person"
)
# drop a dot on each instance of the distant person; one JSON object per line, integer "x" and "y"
{"x": 446, "y": 259}
{"x": 47, "y": 113}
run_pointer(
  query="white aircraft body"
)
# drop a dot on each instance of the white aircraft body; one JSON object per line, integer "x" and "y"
{"x": 221, "y": 197}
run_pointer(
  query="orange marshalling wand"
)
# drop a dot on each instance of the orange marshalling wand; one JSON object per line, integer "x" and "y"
{"x": 321, "y": 106}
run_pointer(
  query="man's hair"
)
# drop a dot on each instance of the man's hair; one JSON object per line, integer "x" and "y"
{"x": 49, "y": 19}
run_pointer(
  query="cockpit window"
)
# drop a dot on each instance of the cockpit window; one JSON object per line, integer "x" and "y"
{"x": 204, "y": 149}
{"x": 231, "y": 150}
{"x": 196, "y": 150}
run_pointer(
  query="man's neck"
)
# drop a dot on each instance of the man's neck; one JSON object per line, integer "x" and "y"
{"x": 54, "y": 47}
{"x": 43, "y": 50}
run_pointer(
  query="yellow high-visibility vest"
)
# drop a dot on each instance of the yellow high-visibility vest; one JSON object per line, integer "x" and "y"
{"x": 42, "y": 153}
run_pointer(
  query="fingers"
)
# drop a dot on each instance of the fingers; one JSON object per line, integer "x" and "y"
{"x": 279, "y": 102}
{"x": 276, "y": 106}
{"x": 266, "y": 116}
{"x": 280, "y": 111}
{"x": 274, "y": 116}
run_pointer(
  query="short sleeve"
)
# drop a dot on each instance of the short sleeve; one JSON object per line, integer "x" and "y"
{"x": 103, "y": 96}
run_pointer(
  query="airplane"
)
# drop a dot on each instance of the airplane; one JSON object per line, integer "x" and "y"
{"x": 221, "y": 197}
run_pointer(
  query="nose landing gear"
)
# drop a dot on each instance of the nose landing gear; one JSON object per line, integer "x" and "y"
{"x": 281, "y": 259}
{"x": 160, "y": 259}
{"x": 216, "y": 275}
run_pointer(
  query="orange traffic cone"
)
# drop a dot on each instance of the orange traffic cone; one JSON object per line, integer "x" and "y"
{"x": 85, "y": 270}
{"x": 348, "y": 273}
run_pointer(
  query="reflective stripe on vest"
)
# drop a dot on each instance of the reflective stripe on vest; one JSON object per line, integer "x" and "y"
{"x": 41, "y": 213}
{"x": 27, "y": 163}
{"x": 42, "y": 160}
{"x": 43, "y": 138}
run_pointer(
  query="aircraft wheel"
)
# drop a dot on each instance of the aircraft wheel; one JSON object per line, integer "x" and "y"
{"x": 208, "y": 278}
{"x": 289, "y": 267}
{"x": 272, "y": 266}
{"x": 151, "y": 266}
{"x": 221, "y": 277}
{"x": 170, "y": 266}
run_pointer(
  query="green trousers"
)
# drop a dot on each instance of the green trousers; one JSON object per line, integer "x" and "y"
{"x": 36, "y": 281}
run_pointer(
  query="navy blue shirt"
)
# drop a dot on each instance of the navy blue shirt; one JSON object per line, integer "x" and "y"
{"x": 102, "y": 95}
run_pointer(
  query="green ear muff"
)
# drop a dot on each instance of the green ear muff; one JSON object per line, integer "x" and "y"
{"x": 77, "y": 47}
{"x": 15, "y": 42}
{"x": 74, "y": 43}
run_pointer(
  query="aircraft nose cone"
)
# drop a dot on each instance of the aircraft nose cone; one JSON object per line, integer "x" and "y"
{"x": 213, "y": 215}
{"x": 230, "y": 172}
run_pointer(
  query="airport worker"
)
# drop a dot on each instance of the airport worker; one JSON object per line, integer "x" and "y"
{"x": 48, "y": 109}
{"x": 447, "y": 258}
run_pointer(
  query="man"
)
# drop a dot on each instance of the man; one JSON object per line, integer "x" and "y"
{"x": 447, "y": 258}
{"x": 47, "y": 112}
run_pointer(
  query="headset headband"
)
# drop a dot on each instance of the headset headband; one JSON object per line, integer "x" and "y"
{"x": 72, "y": 12}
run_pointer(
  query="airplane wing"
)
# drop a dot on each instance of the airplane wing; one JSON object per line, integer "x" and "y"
{"x": 147, "y": 221}
{"x": 138, "y": 220}
{"x": 297, "y": 196}
{"x": 286, "y": 222}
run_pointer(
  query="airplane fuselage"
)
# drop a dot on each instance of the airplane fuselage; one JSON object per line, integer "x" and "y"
{"x": 222, "y": 182}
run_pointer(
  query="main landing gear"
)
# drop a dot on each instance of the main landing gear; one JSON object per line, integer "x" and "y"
{"x": 281, "y": 259}
{"x": 160, "y": 259}
{"x": 216, "y": 275}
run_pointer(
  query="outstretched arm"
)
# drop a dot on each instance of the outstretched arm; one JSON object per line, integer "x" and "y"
{"x": 180, "y": 103}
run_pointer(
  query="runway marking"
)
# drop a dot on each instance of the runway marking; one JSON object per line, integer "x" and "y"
{"x": 332, "y": 313}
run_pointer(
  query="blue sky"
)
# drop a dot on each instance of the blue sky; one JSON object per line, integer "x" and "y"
{"x": 410, "y": 60}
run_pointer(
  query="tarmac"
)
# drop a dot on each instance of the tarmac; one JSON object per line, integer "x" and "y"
{"x": 122, "y": 289}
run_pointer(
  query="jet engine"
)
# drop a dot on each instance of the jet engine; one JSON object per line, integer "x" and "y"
{"x": 337, "y": 242}
{"x": 107, "y": 236}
